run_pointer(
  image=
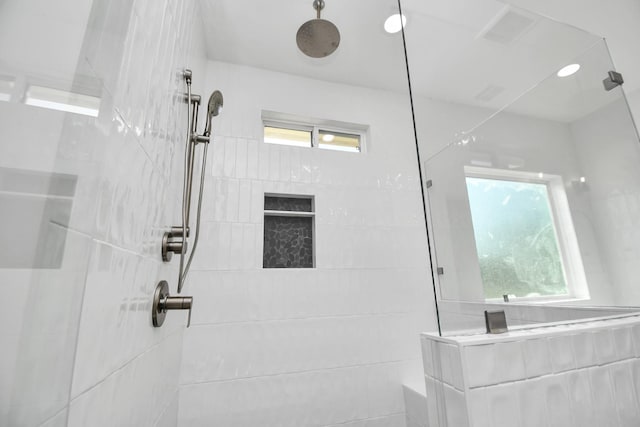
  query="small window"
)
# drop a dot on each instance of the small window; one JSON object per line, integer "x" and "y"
{"x": 524, "y": 236}
{"x": 286, "y": 129}
{"x": 284, "y": 136}
{"x": 288, "y": 231}
{"x": 62, "y": 100}
{"x": 339, "y": 141}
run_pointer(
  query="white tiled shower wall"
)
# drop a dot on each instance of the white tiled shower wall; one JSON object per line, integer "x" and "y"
{"x": 81, "y": 349}
{"x": 314, "y": 347}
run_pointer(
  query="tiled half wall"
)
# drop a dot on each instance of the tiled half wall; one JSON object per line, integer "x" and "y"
{"x": 585, "y": 374}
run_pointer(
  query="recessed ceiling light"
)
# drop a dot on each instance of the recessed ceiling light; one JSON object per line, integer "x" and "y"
{"x": 327, "y": 137}
{"x": 393, "y": 24}
{"x": 568, "y": 70}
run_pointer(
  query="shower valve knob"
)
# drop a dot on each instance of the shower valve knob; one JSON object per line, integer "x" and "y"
{"x": 163, "y": 302}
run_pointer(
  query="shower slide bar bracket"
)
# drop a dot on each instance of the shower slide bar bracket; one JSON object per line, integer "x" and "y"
{"x": 173, "y": 243}
{"x": 163, "y": 302}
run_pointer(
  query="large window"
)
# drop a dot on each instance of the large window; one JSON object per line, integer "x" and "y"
{"x": 524, "y": 235}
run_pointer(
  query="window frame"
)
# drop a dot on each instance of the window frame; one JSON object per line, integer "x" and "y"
{"x": 288, "y": 121}
{"x": 566, "y": 238}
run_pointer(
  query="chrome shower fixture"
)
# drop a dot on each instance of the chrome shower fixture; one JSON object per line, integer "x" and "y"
{"x": 175, "y": 240}
{"x": 163, "y": 302}
{"x": 318, "y": 38}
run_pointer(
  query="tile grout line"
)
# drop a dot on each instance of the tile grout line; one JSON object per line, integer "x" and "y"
{"x": 279, "y": 374}
{"x": 320, "y": 317}
{"x": 124, "y": 365}
{"x": 379, "y": 417}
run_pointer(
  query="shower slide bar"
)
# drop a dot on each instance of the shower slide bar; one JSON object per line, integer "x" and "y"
{"x": 175, "y": 240}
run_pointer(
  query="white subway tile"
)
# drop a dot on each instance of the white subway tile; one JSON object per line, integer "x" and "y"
{"x": 448, "y": 355}
{"x": 478, "y": 407}
{"x": 502, "y": 401}
{"x": 237, "y": 254}
{"x": 537, "y": 357}
{"x": 274, "y": 163}
{"x": 623, "y": 342}
{"x": 222, "y": 253}
{"x": 217, "y": 156}
{"x": 249, "y": 247}
{"x": 252, "y": 159}
{"x": 229, "y": 166}
{"x": 257, "y": 202}
{"x": 635, "y": 375}
{"x": 635, "y": 336}
{"x": 580, "y": 396}
{"x": 561, "y": 350}
{"x": 602, "y": 397}
{"x": 428, "y": 347}
{"x": 625, "y": 396}
{"x": 558, "y": 402}
{"x": 241, "y": 158}
{"x": 480, "y": 365}
{"x": 244, "y": 198}
{"x": 232, "y": 203}
{"x": 264, "y": 164}
{"x": 457, "y": 414}
{"x": 431, "y": 389}
{"x": 584, "y": 350}
{"x": 605, "y": 346}
{"x": 532, "y": 402}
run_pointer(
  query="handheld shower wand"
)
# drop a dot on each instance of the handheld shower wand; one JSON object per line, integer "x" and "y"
{"x": 213, "y": 109}
{"x": 216, "y": 101}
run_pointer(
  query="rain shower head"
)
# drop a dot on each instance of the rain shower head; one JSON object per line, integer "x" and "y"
{"x": 213, "y": 109}
{"x": 318, "y": 38}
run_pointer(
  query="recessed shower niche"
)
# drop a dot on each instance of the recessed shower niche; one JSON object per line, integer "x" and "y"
{"x": 288, "y": 231}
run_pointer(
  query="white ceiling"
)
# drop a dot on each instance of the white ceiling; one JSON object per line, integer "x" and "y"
{"x": 449, "y": 58}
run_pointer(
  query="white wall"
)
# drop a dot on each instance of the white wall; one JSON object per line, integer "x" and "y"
{"x": 313, "y": 347}
{"x": 80, "y": 349}
{"x": 608, "y": 147}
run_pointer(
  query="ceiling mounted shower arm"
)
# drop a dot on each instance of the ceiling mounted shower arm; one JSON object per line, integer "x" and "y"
{"x": 318, "y": 5}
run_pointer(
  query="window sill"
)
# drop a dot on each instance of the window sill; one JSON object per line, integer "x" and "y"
{"x": 553, "y": 299}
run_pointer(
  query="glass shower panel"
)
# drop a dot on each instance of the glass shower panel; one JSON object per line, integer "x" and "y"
{"x": 535, "y": 209}
{"x": 52, "y": 125}
{"x": 530, "y": 177}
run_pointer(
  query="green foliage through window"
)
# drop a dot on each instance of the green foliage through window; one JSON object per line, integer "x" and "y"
{"x": 515, "y": 238}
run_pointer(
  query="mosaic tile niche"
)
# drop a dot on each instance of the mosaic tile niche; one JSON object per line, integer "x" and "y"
{"x": 288, "y": 237}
